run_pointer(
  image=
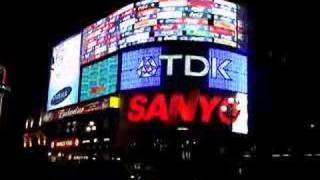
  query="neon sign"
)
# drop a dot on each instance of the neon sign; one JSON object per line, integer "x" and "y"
{"x": 176, "y": 107}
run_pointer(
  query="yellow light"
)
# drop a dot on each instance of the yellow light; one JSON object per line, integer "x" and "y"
{"x": 114, "y": 102}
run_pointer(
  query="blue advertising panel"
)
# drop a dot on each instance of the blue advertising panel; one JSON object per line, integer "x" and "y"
{"x": 141, "y": 68}
{"x": 230, "y": 71}
{"x": 99, "y": 79}
{"x": 64, "y": 74}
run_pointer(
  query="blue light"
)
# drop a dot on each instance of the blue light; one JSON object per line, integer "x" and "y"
{"x": 141, "y": 68}
{"x": 231, "y": 71}
{"x": 99, "y": 79}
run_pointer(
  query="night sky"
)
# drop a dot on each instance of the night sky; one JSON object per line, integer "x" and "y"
{"x": 30, "y": 30}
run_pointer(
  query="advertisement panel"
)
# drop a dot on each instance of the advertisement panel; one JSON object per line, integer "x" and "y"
{"x": 163, "y": 20}
{"x": 230, "y": 71}
{"x": 64, "y": 74}
{"x": 99, "y": 79}
{"x": 141, "y": 68}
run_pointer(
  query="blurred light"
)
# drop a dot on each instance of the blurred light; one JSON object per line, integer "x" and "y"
{"x": 31, "y": 123}
{"x": 49, "y": 154}
{"x": 39, "y": 141}
{"x": 85, "y": 141}
{"x": 182, "y": 129}
{"x": 27, "y": 124}
{"x": 74, "y": 123}
{"x": 187, "y": 142}
{"x": 312, "y": 126}
{"x": 231, "y": 100}
{"x": 91, "y": 123}
{"x": 247, "y": 156}
{"x": 106, "y": 139}
{"x": 40, "y": 120}
{"x": 44, "y": 142}
{"x": 308, "y": 155}
{"x": 318, "y": 155}
{"x": 224, "y": 108}
{"x": 52, "y": 144}
{"x": 70, "y": 157}
{"x": 69, "y": 124}
{"x": 118, "y": 159}
{"x": 94, "y": 128}
{"x": 275, "y": 155}
{"x": 59, "y": 154}
{"x": 286, "y": 155}
{"x": 95, "y": 140}
{"x": 132, "y": 176}
{"x": 114, "y": 102}
{"x": 30, "y": 143}
{"x": 24, "y": 144}
{"x": 76, "y": 142}
{"x": 194, "y": 142}
{"x": 93, "y": 158}
{"x": 88, "y": 129}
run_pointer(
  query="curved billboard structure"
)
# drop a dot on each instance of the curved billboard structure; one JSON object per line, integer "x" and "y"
{"x": 176, "y": 62}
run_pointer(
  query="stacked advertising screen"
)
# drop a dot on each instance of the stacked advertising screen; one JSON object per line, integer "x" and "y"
{"x": 64, "y": 74}
{"x": 198, "y": 76}
{"x": 217, "y": 21}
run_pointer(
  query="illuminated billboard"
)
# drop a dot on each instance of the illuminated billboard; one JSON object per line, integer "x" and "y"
{"x": 99, "y": 79}
{"x": 195, "y": 107}
{"x": 141, "y": 68}
{"x": 230, "y": 72}
{"x": 164, "y": 20}
{"x": 64, "y": 74}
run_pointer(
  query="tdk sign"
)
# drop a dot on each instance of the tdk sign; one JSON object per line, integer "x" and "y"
{"x": 226, "y": 70}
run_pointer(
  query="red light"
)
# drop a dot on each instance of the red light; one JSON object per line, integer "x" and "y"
{"x": 183, "y": 108}
{"x": 157, "y": 109}
{"x": 136, "y": 108}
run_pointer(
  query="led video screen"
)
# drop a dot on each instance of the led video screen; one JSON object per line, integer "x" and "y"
{"x": 99, "y": 79}
{"x": 163, "y": 20}
{"x": 64, "y": 74}
{"x": 141, "y": 68}
{"x": 230, "y": 72}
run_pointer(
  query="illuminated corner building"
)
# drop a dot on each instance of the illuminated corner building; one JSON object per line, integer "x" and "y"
{"x": 4, "y": 93}
{"x": 154, "y": 86}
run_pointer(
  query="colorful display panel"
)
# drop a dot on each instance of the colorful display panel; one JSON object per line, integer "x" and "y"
{"x": 99, "y": 79}
{"x": 164, "y": 20}
{"x": 64, "y": 74}
{"x": 141, "y": 68}
{"x": 230, "y": 72}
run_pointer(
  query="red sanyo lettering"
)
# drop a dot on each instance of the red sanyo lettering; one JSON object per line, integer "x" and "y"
{"x": 142, "y": 109}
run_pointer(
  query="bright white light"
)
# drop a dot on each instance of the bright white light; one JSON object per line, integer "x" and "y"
{"x": 247, "y": 155}
{"x": 49, "y": 154}
{"x": 74, "y": 123}
{"x": 85, "y": 141}
{"x": 182, "y": 129}
{"x": 76, "y": 142}
{"x": 308, "y": 155}
{"x": 24, "y": 144}
{"x": 231, "y": 100}
{"x": 241, "y": 124}
{"x": 286, "y": 155}
{"x": 31, "y": 123}
{"x": 94, "y": 128}
{"x": 91, "y": 123}
{"x": 95, "y": 140}
{"x": 27, "y": 124}
{"x": 88, "y": 129}
{"x": 275, "y": 155}
{"x": 132, "y": 176}
{"x": 44, "y": 142}
{"x": 70, "y": 157}
{"x": 52, "y": 144}
{"x": 59, "y": 154}
{"x": 224, "y": 108}
{"x": 187, "y": 141}
{"x": 106, "y": 139}
{"x": 312, "y": 126}
{"x": 94, "y": 158}
{"x": 118, "y": 159}
{"x": 318, "y": 155}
